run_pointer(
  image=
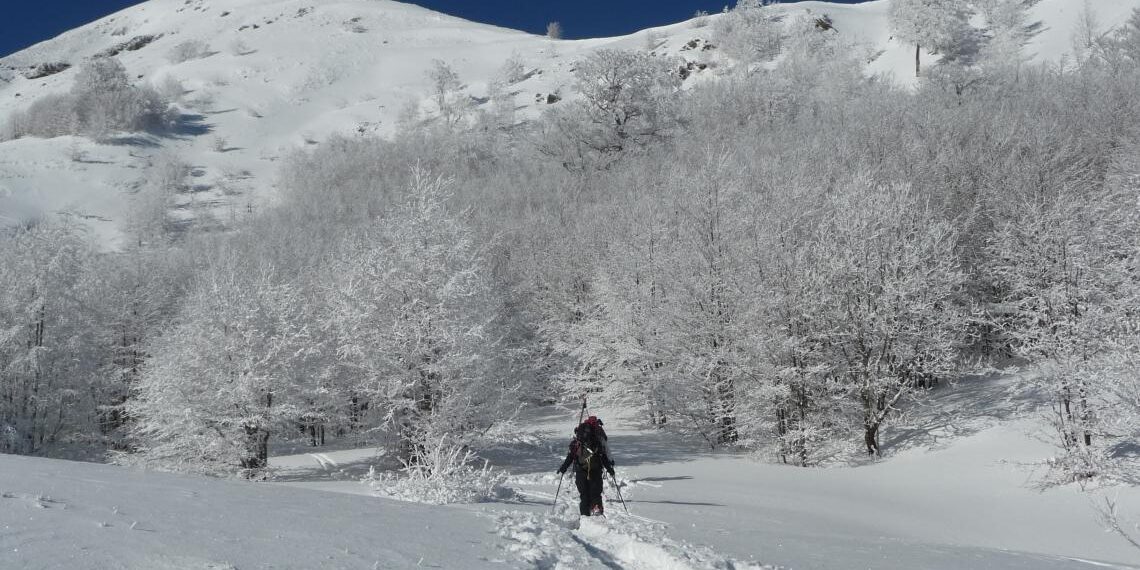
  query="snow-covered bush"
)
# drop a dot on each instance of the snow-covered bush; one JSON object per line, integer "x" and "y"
{"x": 170, "y": 88}
{"x": 101, "y": 101}
{"x": 700, "y": 19}
{"x": 554, "y": 30}
{"x": 238, "y": 47}
{"x": 47, "y": 69}
{"x": 440, "y": 473}
{"x": 512, "y": 70}
{"x": 750, "y": 32}
{"x": 187, "y": 51}
{"x": 820, "y": 66}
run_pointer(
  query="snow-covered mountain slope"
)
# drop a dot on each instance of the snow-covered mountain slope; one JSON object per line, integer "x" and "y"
{"x": 285, "y": 74}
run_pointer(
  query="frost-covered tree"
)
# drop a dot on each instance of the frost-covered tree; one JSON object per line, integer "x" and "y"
{"x": 931, "y": 24}
{"x": 627, "y": 93}
{"x": 48, "y": 357}
{"x": 450, "y": 102}
{"x": 101, "y": 101}
{"x": 889, "y": 284}
{"x": 135, "y": 292}
{"x": 627, "y": 101}
{"x": 820, "y": 66}
{"x": 1128, "y": 36}
{"x": 1120, "y": 45}
{"x": 1007, "y": 28}
{"x": 222, "y": 380}
{"x": 750, "y": 32}
{"x": 1066, "y": 262}
{"x": 412, "y": 321}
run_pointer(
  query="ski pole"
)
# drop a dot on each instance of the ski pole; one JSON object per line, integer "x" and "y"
{"x": 555, "y": 505}
{"x": 618, "y": 489}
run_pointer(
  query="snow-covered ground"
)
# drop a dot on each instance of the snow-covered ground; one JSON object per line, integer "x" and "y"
{"x": 64, "y": 515}
{"x": 963, "y": 494}
{"x": 281, "y": 75}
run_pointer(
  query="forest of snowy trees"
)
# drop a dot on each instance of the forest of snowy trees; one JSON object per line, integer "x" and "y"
{"x": 785, "y": 261}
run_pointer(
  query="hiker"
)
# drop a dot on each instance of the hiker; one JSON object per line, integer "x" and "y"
{"x": 590, "y": 454}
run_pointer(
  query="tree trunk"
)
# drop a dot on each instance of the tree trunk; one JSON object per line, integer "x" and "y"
{"x": 917, "y": 63}
{"x": 257, "y": 456}
{"x": 871, "y": 438}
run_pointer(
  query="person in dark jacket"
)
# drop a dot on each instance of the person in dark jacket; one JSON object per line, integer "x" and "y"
{"x": 590, "y": 455}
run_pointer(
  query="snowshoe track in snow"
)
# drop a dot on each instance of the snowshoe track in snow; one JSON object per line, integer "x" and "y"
{"x": 566, "y": 542}
{"x": 325, "y": 461}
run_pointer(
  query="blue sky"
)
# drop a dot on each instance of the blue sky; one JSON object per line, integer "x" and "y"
{"x": 25, "y": 22}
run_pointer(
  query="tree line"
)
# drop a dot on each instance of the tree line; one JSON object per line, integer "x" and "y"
{"x": 784, "y": 260}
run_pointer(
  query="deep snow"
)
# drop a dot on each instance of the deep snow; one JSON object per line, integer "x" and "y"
{"x": 66, "y": 515}
{"x": 961, "y": 495}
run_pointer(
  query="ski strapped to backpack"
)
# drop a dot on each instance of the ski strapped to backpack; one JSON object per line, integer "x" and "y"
{"x": 563, "y": 473}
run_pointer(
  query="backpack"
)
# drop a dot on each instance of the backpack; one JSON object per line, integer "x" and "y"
{"x": 590, "y": 439}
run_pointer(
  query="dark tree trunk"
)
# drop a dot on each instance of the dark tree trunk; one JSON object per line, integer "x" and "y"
{"x": 871, "y": 438}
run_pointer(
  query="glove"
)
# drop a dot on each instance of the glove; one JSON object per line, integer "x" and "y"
{"x": 561, "y": 471}
{"x": 610, "y": 470}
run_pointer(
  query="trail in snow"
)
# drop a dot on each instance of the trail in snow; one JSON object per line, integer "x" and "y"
{"x": 616, "y": 541}
{"x": 960, "y": 500}
{"x": 325, "y": 461}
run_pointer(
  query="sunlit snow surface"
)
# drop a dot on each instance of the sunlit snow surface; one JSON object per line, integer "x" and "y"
{"x": 967, "y": 502}
{"x": 308, "y": 70}
{"x": 287, "y": 74}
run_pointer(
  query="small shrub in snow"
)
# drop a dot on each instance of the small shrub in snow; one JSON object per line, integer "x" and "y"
{"x": 133, "y": 44}
{"x": 203, "y": 101}
{"x": 187, "y": 51}
{"x": 700, "y": 19}
{"x": 75, "y": 153}
{"x": 170, "y": 88}
{"x": 440, "y": 473}
{"x": 355, "y": 26}
{"x": 554, "y": 31}
{"x": 46, "y": 69}
{"x": 49, "y": 116}
{"x": 239, "y": 48}
{"x": 512, "y": 71}
{"x": 652, "y": 40}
